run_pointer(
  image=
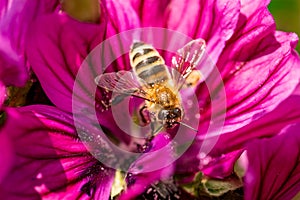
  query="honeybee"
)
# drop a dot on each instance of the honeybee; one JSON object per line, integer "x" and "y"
{"x": 156, "y": 83}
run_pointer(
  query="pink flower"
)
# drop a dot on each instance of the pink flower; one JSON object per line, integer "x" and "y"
{"x": 258, "y": 65}
{"x": 242, "y": 42}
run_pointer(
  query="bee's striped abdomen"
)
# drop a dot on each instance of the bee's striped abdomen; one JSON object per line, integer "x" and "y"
{"x": 148, "y": 64}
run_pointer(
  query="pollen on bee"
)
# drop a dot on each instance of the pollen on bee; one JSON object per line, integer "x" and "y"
{"x": 193, "y": 78}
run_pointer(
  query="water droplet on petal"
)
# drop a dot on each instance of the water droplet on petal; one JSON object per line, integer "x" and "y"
{"x": 202, "y": 155}
{"x": 190, "y": 103}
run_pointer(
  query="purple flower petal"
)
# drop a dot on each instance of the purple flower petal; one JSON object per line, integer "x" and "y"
{"x": 220, "y": 160}
{"x": 251, "y": 97}
{"x": 273, "y": 170}
{"x": 7, "y": 156}
{"x": 249, "y": 7}
{"x": 2, "y": 94}
{"x": 56, "y": 46}
{"x": 49, "y": 160}
{"x": 157, "y": 14}
{"x": 259, "y": 79}
{"x": 251, "y": 49}
{"x": 14, "y": 22}
{"x": 287, "y": 112}
{"x": 120, "y": 17}
{"x": 219, "y": 167}
{"x": 141, "y": 174}
{"x": 267, "y": 126}
{"x": 214, "y": 21}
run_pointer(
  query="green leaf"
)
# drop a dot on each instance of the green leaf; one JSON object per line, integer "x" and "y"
{"x": 203, "y": 186}
{"x": 219, "y": 187}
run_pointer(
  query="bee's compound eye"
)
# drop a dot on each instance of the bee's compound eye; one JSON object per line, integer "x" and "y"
{"x": 177, "y": 112}
{"x": 162, "y": 114}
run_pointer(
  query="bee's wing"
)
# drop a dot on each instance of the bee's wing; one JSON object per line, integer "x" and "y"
{"x": 192, "y": 57}
{"x": 122, "y": 82}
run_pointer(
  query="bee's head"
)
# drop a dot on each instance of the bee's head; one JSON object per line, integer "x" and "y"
{"x": 170, "y": 117}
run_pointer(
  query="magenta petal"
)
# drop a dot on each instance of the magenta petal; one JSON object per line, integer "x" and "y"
{"x": 153, "y": 18}
{"x": 56, "y": 46}
{"x": 120, "y": 17}
{"x": 220, "y": 167}
{"x": 141, "y": 173}
{"x": 274, "y": 166}
{"x": 214, "y": 21}
{"x": 49, "y": 159}
{"x": 7, "y": 156}
{"x": 14, "y": 22}
{"x": 261, "y": 80}
{"x": 249, "y": 7}
{"x": 250, "y": 31}
{"x": 287, "y": 112}
{"x": 2, "y": 95}
{"x": 219, "y": 162}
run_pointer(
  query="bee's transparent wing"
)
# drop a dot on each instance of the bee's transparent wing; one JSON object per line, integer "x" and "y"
{"x": 122, "y": 82}
{"x": 192, "y": 60}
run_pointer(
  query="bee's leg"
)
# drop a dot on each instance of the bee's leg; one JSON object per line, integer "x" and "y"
{"x": 153, "y": 124}
{"x": 155, "y": 130}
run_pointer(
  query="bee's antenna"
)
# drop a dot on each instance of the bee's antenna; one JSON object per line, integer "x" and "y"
{"x": 188, "y": 126}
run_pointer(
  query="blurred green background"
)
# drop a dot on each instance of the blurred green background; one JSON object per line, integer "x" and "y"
{"x": 287, "y": 15}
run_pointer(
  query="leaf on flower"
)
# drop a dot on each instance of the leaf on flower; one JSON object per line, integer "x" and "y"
{"x": 218, "y": 187}
{"x": 203, "y": 186}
